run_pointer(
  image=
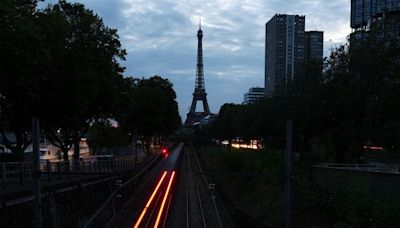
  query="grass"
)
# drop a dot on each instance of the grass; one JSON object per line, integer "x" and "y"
{"x": 254, "y": 179}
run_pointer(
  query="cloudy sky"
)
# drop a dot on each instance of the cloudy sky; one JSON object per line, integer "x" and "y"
{"x": 160, "y": 38}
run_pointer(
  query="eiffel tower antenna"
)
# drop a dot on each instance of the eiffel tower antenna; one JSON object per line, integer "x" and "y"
{"x": 199, "y": 93}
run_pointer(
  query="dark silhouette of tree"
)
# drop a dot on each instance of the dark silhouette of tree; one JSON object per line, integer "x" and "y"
{"x": 150, "y": 109}
{"x": 23, "y": 61}
{"x": 354, "y": 102}
{"x": 104, "y": 136}
{"x": 83, "y": 74}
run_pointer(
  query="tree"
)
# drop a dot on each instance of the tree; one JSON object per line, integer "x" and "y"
{"x": 354, "y": 102}
{"x": 83, "y": 75}
{"x": 103, "y": 136}
{"x": 151, "y": 111}
{"x": 23, "y": 61}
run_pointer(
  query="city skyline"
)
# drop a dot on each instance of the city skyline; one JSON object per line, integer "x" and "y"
{"x": 160, "y": 38}
{"x": 91, "y": 134}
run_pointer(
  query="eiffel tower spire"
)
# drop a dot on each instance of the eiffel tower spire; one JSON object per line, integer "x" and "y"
{"x": 199, "y": 93}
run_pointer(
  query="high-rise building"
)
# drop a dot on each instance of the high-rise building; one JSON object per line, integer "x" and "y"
{"x": 284, "y": 50}
{"x": 313, "y": 45}
{"x": 371, "y": 13}
{"x": 255, "y": 94}
{"x": 376, "y": 22}
{"x": 363, "y": 11}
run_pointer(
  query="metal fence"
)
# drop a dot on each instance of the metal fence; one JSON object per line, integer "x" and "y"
{"x": 117, "y": 199}
{"x": 370, "y": 167}
{"x": 19, "y": 173}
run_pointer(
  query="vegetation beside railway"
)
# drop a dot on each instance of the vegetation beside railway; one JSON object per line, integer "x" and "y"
{"x": 254, "y": 181}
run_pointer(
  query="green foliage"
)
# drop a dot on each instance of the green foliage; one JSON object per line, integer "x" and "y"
{"x": 156, "y": 107}
{"x": 346, "y": 206}
{"x": 352, "y": 103}
{"x": 83, "y": 75}
{"x": 104, "y": 135}
{"x": 59, "y": 64}
{"x": 22, "y": 66}
{"x": 253, "y": 179}
{"x": 255, "y": 183}
{"x": 150, "y": 107}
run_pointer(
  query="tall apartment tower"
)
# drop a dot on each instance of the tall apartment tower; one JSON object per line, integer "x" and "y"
{"x": 313, "y": 45}
{"x": 379, "y": 13}
{"x": 376, "y": 21}
{"x": 362, "y": 11}
{"x": 284, "y": 50}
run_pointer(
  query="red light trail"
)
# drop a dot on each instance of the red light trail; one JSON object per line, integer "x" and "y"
{"x": 165, "y": 198}
{"x": 150, "y": 200}
{"x": 162, "y": 207}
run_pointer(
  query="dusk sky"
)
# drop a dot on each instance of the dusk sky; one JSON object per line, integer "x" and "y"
{"x": 160, "y": 38}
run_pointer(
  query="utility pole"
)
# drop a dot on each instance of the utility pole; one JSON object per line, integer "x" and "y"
{"x": 288, "y": 175}
{"x": 36, "y": 174}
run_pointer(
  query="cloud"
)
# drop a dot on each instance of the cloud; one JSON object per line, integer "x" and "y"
{"x": 160, "y": 37}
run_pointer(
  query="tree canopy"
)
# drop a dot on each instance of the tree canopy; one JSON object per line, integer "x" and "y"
{"x": 336, "y": 112}
{"x": 62, "y": 64}
{"x": 23, "y": 60}
{"x": 83, "y": 74}
{"x": 150, "y": 108}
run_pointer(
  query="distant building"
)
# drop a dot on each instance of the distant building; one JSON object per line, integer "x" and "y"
{"x": 46, "y": 149}
{"x": 313, "y": 45}
{"x": 284, "y": 50}
{"x": 255, "y": 94}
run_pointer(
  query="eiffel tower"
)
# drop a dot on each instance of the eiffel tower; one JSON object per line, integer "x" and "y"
{"x": 199, "y": 93}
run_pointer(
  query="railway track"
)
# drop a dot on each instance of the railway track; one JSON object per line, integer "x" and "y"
{"x": 146, "y": 202}
{"x": 194, "y": 206}
{"x": 222, "y": 217}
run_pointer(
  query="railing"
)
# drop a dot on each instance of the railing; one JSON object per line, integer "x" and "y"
{"x": 360, "y": 167}
{"x": 19, "y": 173}
{"x": 118, "y": 198}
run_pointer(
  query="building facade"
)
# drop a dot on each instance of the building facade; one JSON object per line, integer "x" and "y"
{"x": 372, "y": 14}
{"x": 313, "y": 45}
{"x": 364, "y": 11}
{"x": 254, "y": 95}
{"x": 376, "y": 22}
{"x": 284, "y": 50}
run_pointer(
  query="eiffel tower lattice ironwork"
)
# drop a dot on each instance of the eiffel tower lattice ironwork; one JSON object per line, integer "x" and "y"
{"x": 199, "y": 93}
